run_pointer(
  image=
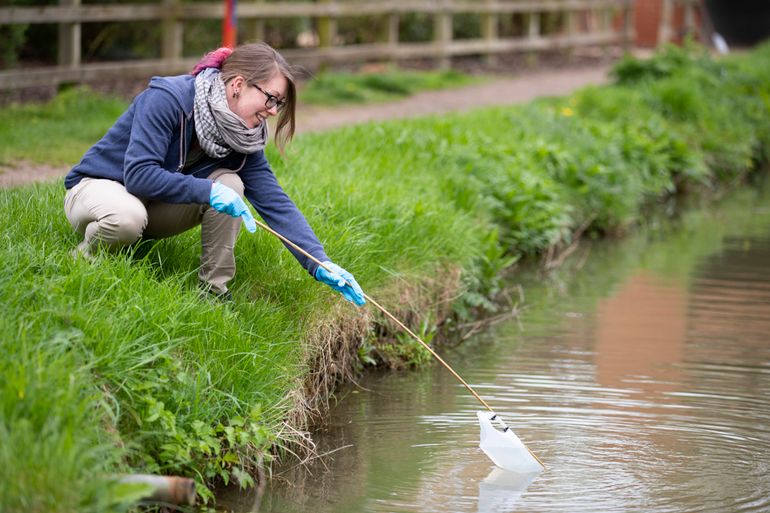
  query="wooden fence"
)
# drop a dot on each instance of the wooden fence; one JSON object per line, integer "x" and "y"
{"x": 589, "y": 23}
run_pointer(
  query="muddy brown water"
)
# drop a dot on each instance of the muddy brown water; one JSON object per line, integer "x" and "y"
{"x": 639, "y": 373}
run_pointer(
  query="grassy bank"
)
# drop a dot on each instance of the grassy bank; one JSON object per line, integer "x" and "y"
{"x": 118, "y": 366}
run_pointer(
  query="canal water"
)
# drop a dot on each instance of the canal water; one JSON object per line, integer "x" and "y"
{"x": 638, "y": 372}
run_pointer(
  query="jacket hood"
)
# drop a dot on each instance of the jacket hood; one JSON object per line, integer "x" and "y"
{"x": 181, "y": 87}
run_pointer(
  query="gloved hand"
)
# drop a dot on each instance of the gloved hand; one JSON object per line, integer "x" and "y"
{"x": 336, "y": 280}
{"x": 227, "y": 201}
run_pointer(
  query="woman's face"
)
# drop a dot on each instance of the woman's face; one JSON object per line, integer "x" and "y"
{"x": 250, "y": 102}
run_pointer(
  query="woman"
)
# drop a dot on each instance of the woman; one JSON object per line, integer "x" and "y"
{"x": 185, "y": 153}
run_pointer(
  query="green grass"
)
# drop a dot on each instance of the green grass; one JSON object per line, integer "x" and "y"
{"x": 338, "y": 88}
{"x": 118, "y": 365}
{"x": 57, "y": 132}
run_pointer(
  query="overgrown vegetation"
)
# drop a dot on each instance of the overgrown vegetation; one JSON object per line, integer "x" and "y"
{"x": 118, "y": 365}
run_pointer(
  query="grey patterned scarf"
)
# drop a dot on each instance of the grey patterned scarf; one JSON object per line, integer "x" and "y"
{"x": 219, "y": 130}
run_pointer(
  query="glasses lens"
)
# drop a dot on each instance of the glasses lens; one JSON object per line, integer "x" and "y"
{"x": 270, "y": 100}
{"x": 278, "y": 104}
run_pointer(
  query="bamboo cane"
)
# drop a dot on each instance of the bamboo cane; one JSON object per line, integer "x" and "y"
{"x": 397, "y": 322}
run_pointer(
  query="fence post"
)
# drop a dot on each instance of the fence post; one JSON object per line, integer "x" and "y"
{"x": 327, "y": 33}
{"x": 533, "y": 25}
{"x": 605, "y": 26}
{"x": 327, "y": 28}
{"x": 664, "y": 30}
{"x": 172, "y": 31}
{"x": 689, "y": 18}
{"x": 572, "y": 23}
{"x": 69, "y": 39}
{"x": 258, "y": 29}
{"x": 255, "y": 27}
{"x": 606, "y": 20}
{"x": 489, "y": 32}
{"x": 391, "y": 36}
{"x": 533, "y": 33}
{"x": 628, "y": 25}
{"x": 442, "y": 35}
{"x": 572, "y": 30}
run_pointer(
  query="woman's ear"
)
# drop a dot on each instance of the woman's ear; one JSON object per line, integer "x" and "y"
{"x": 237, "y": 85}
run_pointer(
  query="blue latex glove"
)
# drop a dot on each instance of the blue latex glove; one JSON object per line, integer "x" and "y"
{"x": 337, "y": 280}
{"x": 227, "y": 201}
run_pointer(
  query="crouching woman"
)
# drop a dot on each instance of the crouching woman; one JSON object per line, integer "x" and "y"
{"x": 187, "y": 152}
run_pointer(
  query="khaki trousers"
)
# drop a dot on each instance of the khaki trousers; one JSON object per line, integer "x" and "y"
{"x": 107, "y": 215}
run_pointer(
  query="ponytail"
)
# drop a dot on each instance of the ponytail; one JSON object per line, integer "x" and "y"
{"x": 213, "y": 59}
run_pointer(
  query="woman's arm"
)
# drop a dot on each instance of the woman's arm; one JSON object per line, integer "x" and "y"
{"x": 271, "y": 202}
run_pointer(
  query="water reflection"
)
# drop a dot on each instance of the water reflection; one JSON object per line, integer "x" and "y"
{"x": 501, "y": 490}
{"x": 640, "y": 332}
{"x": 641, "y": 379}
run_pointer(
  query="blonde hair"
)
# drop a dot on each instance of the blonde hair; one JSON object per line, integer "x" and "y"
{"x": 257, "y": 62}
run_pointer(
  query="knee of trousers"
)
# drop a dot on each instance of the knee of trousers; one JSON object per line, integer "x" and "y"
{"x": 233, "y": 181}
{"x": 126, "y": 225}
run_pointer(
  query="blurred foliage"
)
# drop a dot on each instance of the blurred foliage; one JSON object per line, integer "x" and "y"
{"x": 512, "y": 25}
{"x": 466, "y": 25}
{"x": 332, "y": 88}
{"x": 415, "y": 27}
{"x": 13, "y": 37}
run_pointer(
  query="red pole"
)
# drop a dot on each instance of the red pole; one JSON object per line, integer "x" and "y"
{"x": 230, "y": 24}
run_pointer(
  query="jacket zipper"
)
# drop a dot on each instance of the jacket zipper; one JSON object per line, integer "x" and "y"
{"x": 182, "y": 137}
{"x": 243, "y": 163}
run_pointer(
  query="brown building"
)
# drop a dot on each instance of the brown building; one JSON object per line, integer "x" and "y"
{"x": 740, "y": 23}
{"x": 657, "y": 21}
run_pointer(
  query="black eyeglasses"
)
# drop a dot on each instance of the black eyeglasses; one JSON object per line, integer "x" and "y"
{"x": 272, "y": 100}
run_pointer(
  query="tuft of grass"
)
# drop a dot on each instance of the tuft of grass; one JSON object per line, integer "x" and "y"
{"x": 118, "y": 365}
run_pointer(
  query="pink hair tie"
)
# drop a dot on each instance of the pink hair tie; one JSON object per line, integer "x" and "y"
{"x": 213, "y": 59}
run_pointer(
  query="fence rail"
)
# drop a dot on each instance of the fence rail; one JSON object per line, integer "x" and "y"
{"x": 605, "y": 22}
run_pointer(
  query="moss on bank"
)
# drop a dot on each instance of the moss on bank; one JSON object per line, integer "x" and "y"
{"x": 119, "y": 366}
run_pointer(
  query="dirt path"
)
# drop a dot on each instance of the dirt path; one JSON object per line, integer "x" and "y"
{"x": 24, "y": 173}
{"x": 500, "y": 91}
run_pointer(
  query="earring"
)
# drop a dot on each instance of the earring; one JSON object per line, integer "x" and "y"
{"x": 236, "y": 94}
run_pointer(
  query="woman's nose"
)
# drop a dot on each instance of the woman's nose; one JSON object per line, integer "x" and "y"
{"x": 273, "y": 110}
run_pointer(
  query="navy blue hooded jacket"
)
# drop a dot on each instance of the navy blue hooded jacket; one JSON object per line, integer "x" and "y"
{"x": 146, "y": 148}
